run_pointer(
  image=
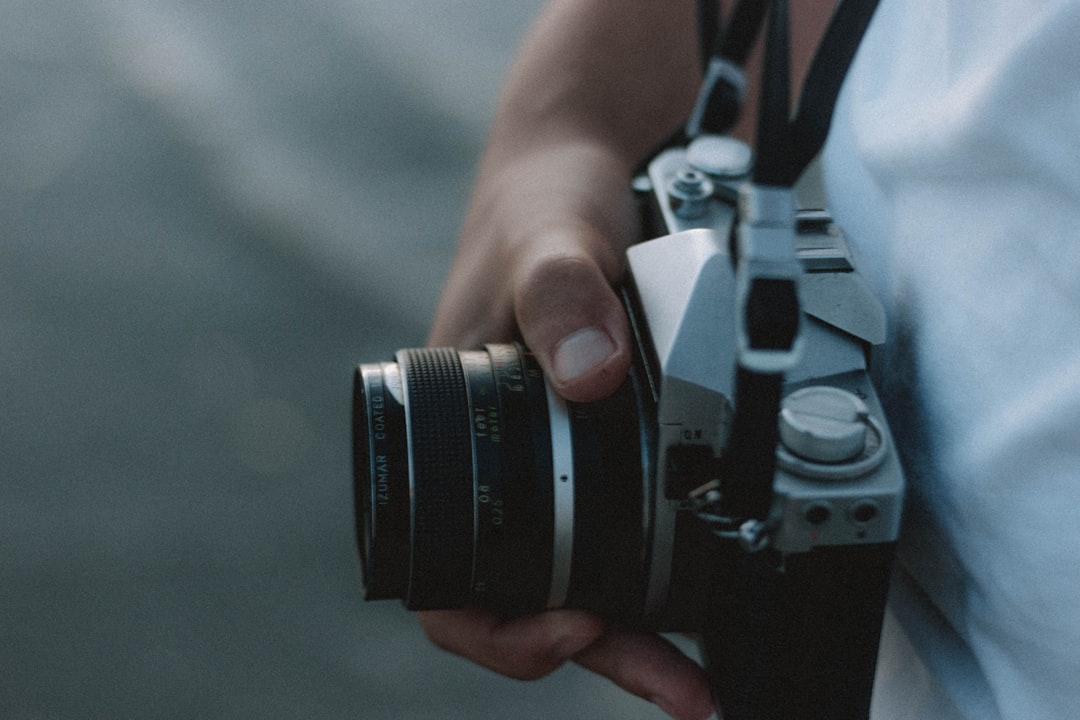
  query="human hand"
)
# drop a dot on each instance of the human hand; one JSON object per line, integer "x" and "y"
{"x": 546, "y": 271}
{"x": 596, "y": 86}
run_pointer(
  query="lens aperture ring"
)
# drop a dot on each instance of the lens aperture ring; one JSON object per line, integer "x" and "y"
{"x": 488, "y": 448}
{"x": 525, "y": 554}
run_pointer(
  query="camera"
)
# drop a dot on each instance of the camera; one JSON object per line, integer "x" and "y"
{"x": 477, "y": 485}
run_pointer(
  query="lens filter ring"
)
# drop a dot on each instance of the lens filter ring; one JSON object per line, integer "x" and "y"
{"x": 381, "y": 485}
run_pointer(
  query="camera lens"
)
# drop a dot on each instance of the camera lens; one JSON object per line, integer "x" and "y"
{"x": 477, "y": 485}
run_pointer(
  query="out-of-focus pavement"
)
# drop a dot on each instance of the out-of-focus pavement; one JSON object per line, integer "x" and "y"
{"x": 209, "y": 211}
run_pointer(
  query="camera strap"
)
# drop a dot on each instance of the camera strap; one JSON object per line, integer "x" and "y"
{"x": 725, "y": 49}
{"x": 724, "y": 52}
{"x": 817, "y": 98}
{"x": 789, "y": 635}
{"x": 767, "y": 267}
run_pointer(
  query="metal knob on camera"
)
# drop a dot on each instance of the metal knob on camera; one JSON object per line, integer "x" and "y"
{"x": 824, "y": 424}
{"x": 829, "y": 433}
{"x": 689, "y": 192}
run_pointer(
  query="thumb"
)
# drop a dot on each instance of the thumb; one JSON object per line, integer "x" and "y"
{"x": 571, "y": 319}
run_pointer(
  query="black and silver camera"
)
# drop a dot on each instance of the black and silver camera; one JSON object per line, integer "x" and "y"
{"x": 477, "y": 485}
{"x": 742, "y": 482}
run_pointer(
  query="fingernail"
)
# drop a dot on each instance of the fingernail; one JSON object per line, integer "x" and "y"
{"x": 579, "y": 352}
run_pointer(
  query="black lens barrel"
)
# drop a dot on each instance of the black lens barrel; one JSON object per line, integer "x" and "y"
{"x": 456, "y": 485}
{"x": 449, "y": 507}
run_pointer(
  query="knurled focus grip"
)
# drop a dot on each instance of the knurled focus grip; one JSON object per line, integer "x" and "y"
{"x": 442, "y": 484}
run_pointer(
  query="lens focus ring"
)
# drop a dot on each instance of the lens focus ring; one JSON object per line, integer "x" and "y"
{"x": 441, "y": 483}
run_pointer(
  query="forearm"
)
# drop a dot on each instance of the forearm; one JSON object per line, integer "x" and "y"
{"x": 621, "y": 74}
{"x": 624, "y": 74}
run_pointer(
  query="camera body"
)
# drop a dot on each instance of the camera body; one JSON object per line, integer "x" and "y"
{"x": 476, "y": 484}
{"x": 793, "y": 616}
{"x": 838, "y": 479}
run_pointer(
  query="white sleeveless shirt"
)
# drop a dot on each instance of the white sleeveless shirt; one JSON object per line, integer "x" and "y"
{"x": 954, "y": 165}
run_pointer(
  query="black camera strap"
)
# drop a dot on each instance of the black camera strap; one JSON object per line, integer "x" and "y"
{"x": 817, "y": 99}
{"x": 767, "y": 268}
{"x": 725, "y": 49}
{"x": 791, "y": 636}
{"x": 724, "y": 52}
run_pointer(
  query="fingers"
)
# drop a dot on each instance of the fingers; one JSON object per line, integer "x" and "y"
{"x": 572, "y": 320}
{"x": 530, "y": 647}
{"x": 652, "y": 668}
{"x": 525, "y": 648}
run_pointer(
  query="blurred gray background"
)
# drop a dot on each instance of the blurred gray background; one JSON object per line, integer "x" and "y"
{"x": 209, "y": 211}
